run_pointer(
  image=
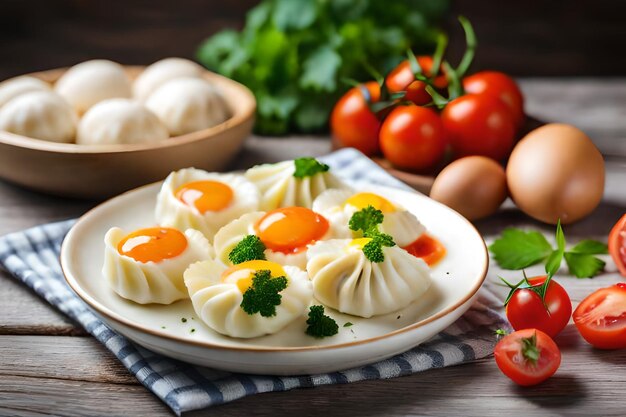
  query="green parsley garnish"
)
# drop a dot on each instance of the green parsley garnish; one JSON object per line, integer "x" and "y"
{"x": 373, "y": 249}
{"x": 263, "y": 295}
{"x": 183, "y": 319}
{"x": 348, "y": 324}
{"x": 319, "y": 324}
{"x": 517, "y": 249}
{"x": 307, "y": 167}
{"x": 249, "y": 249}
{"x": 367, "y": 221}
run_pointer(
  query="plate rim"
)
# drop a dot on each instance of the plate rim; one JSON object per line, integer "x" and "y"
{"x": 109, "y": 314}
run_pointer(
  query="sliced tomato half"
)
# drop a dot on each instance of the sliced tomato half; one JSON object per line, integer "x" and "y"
{"x": 601, "y": 317}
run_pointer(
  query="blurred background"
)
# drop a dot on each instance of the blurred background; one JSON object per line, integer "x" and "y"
{"x": 533, "y": 39}
{"x": 526, "y": 38}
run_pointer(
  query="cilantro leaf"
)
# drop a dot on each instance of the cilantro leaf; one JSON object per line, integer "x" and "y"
{"x": 319, "y": 324}
{"x": 320, "y": 69}
{"x": 307, "y": 167}
{"x": 366, "y": 219}
{"x": 590, "y": 247}
{"x": 583, "y": 265}
{"x": 263, "y": 296}
{"x": 309, "y": 46}
{"x": 517, "y": 249}
{"x": 250, "y": 248}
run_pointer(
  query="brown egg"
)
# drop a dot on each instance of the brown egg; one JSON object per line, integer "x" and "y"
{"x": 475, "y": 186}
{"x": 556, "y": 172}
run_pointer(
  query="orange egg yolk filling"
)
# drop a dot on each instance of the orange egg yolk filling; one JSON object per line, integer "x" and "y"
{"x": 362, "y": 200}
{"x": 153, "y": 244}
{"x": 427, "y": 248}
{"x": 243, "y": 273}
{"x": 290, "y": 229}
{"x": 205, "y": 195}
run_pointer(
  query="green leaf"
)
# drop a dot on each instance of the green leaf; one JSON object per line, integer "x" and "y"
{"x": 583, "y": 265}
{"x": 311, "y": 116}
{"x": 560, "y": 236}
{"x": 590, "y": 247}
{"x": 214, "y": 50}
{"x": 294, "y": 14}
{"x": 320, "y": 70}
{"x": 257, "y": 17}
{"x": 517, "y": 249}
{"x": 279, "y": 105}
{"x": 308, "y": 167}
{"x": 554, "y": 262}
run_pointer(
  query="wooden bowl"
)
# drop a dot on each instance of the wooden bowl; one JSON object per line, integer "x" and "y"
{"x": 99, "y": 171}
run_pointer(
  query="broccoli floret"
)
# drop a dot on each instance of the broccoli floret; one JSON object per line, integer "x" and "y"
{"x": 249, "y": 249}
{"x": 319, "y": 324}
{"x": 366, "y": 220}
{"x": 263, "y": 295}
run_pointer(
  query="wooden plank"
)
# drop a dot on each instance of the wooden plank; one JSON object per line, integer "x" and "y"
{"x": 59, "y": 357}
{"x": 23, "y": 312}
{"x": 33, "y": 396}
{"x": 71, "y": 376}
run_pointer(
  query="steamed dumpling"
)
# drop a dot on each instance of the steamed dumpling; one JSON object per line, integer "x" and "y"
{"x": 216, "y": 293}
{"x": 344, "y": 279}
{"x": 206, "y": 201}
{"x": 161, "y": 72}
{"x": 117, "y": 121}
{"x": 281, "y": 188}
{"x": 187, "y": 105}
{"x": 286, "y": 232}
{"x": 147, "y": 266}
{"x": 338, "y": 206}
{"x": 90, "y": 82}
{"x": 17, "y": 86}
{"x": 40, "y": 115}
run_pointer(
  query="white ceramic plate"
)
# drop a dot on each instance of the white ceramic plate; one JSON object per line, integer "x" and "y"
{"x": 289, "y": 352}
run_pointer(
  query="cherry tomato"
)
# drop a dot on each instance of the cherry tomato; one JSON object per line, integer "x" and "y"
{"x": 526, "y": 309}
{"x": 601, "y": 317}
{"x": 413, "y": 138}
{"x": 401, "y": 78}
{"x": 479, "y": 124}
{"x": 527, "y": 356}
{"x": 500, "y": 85}
{"x": 352, "y": 123}
{"x": 617, "y": 244}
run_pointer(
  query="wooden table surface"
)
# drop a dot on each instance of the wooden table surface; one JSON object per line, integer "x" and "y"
{"x": 48, "y": 365}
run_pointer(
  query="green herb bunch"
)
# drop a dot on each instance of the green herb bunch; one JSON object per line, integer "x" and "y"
{"x": 294, "y": 54}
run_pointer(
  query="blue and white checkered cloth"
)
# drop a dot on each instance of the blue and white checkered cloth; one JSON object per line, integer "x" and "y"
{"x": 32, "y": 256}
